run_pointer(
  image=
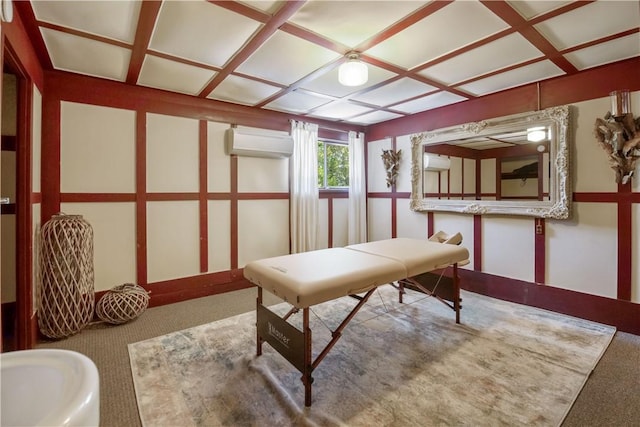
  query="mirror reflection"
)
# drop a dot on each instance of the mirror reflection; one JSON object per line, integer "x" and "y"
{"x": 512, "y": 165}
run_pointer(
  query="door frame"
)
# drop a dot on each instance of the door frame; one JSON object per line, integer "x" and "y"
{"x": 26, "y": 320}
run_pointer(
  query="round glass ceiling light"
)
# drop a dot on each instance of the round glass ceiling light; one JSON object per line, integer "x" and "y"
{"x": 353, "y": 72}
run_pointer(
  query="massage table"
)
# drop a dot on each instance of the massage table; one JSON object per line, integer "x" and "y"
{"x": 310, "y": 278}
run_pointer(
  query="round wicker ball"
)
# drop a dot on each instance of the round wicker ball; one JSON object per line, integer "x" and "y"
{"x": 122, "y": 303}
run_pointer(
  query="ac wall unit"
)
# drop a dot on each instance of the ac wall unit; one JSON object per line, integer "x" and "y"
{"x": 258, "y": 143}
{"x": 436, "y": 163}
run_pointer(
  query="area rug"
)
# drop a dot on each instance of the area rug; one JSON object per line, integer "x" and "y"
{"x": 397, "y": 364}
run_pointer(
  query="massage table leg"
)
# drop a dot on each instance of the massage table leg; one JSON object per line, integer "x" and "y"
{"x": 456, "y": 292}
{"x": 259, "y": 339}
{"x": 307, "y": 379}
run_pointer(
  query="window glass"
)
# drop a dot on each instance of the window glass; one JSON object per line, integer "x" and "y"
{"x": 333, "y": 165}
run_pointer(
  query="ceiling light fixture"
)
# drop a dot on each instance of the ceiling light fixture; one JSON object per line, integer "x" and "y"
{"x": 353, "y": 72}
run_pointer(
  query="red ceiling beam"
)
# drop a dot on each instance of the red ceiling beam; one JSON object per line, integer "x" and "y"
{"x": 149, "y": 11}
{"x": 508, "y": 14}
{"x": 280, "y": 17}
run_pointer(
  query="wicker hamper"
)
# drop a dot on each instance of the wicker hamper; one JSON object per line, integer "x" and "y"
{"x": 66, "y": 291}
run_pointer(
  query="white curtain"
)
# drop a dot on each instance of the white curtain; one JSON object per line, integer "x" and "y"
{"x": 304, "y": 187}
{"x": 357, "y": 210}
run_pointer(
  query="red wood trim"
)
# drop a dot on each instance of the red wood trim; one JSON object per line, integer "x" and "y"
{"x": 539, "y": 231}
{"x": 625, "y": 244}
{"x": 171, "y": 291}
{"x": 172, "y": 197}
{"x": 25, "y": 44}
{"x": 394, "y": 203}
{"x": 146, "y": 22}
{"x": 234, "y": 212}
{"x": 430, "y": 226}
{"x": 36, "y": 198}
{"x": 8, "y": 143}
{"x": 50, "y": 155}
{"x": 255, "y": 14}
{"x": 600, "y": 41}
{"x": 405, "y": 23}
{"x": 262, "y": 196}
{"x": 24, "y": 214}
{"x": 97, "y": 197}
{"x": 478, "y": 179}
{"x": 498, "y": 178}
{"x": 396, "y": 195}
{"x": 589, "y": 84}
{"x": 72, "y": 87}
{"x": 477, "y": 243}
{"x": 141, "y": 197}
{"x": 508, "y": 14}
{"x": 333, "y": 194}
{"x": 263, "y": 34}
{"x": 585, "y": 85}
{"x": 622, "y": 314}
{"x": 8, "y": 209}
{"x": 607, "y": 197}
{"x": 330, "y": 221}
{"x": 83, "y": 34}
{"x": 204, "y": 205}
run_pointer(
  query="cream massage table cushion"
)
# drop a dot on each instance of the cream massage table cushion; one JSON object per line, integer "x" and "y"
{"x": 310, "y": 278}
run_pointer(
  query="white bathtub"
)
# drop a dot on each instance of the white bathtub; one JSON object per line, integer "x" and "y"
{"x": 47, "y": 387}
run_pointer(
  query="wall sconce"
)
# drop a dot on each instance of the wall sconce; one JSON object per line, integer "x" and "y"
{"x": 619, "y": 136}
{"x": 353, "y": 72}
{"x": 391, "y": 160}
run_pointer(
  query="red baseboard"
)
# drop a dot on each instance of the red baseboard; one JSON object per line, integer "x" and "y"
{"x": 622, "y": 314}
{"x": 186, "y": 288}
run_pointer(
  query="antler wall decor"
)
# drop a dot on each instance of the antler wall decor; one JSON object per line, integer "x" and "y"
{"x": 619, "y": 135}
{"x": 391, "y": 161}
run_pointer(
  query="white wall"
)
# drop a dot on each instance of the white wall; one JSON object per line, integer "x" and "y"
{"x": 98, "y": 155}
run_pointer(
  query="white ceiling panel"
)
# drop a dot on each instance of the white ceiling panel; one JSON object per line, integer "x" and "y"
{"x": 394, "y": 92}
{"x": 504, "y": 52}
{"x": 532, "y": 8}
{"x": 297, "y": 102}
{"x": 86, "y": 56}
{"x": 531, "y": 73}
{"x": 339, "y": 110}
{"x": 161, "y": 73}
{"x": 286, "y": 59}
{"x": 243, "y": 91}
{"x": 268, "y": 6}
{"x": 593, "y": 21}
{"x": 376, "y": 117}
{"x": 429, "y": 102}
{"x": 201, "y": 31}
{"x": 90, "y": 17}
{"x": 439, "y": 34}
{"x": 604, "y": 53}
{"x": 351, "y": 22}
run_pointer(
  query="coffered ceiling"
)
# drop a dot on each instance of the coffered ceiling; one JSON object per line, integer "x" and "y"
{"x": 284, "y": 55}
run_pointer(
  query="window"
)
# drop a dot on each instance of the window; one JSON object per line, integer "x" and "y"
{"x": 333, "y": 165}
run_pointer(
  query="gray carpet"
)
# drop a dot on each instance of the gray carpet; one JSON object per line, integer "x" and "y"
{"x": 608, "y": 398}
{"x": 396, "y": 365}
